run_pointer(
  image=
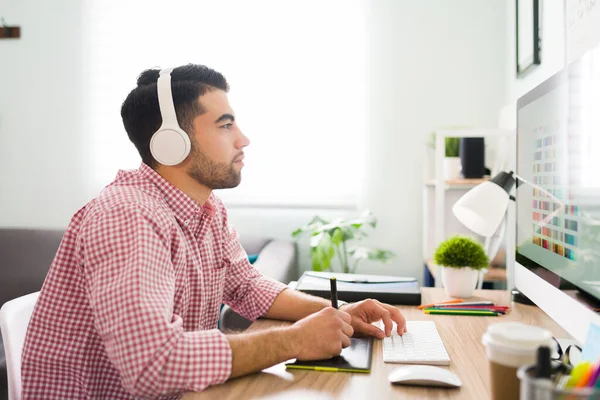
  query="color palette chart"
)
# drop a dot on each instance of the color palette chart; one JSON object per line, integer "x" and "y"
{"x": 555, "y": 227}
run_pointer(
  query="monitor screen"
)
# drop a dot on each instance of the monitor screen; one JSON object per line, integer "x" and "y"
{"x": 558, "y": 154}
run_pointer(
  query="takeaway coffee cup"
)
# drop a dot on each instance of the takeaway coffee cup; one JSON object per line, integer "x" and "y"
{"x": 508, "y": 346}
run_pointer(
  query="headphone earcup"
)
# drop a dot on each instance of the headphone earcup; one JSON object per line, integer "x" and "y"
{"x": 170, "y": 146}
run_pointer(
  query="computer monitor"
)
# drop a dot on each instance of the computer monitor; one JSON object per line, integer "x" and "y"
{"x": 558, "y": 228}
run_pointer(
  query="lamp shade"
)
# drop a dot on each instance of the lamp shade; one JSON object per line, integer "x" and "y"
{"x": 482, "y": 208}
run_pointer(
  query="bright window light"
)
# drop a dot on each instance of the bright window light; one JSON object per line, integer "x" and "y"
{"x": 297, "y": 71}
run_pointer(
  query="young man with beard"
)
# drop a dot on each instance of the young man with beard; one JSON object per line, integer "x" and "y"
{"x": 131, "y": 303}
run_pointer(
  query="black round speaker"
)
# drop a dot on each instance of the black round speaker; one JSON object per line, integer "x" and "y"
{"x": 472, "y": 157}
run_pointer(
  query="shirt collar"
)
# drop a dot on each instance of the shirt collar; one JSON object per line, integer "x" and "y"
{"x": 182, "y": 205}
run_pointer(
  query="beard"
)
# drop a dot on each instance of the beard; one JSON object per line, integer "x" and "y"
{"x": 212, "y": 174}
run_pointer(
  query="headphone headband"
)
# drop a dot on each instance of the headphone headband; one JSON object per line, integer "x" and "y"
{"x": 170, "y": 145}
{"x": 165, "y": 99}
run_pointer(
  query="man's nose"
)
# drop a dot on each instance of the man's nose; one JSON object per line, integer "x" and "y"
{"x": 242, "y": 141}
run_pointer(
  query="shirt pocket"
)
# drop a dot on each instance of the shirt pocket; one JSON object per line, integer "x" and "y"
{"x": 214, "y": 272}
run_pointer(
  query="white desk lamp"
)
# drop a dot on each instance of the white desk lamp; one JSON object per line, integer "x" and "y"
{"x": 483, "y": 210}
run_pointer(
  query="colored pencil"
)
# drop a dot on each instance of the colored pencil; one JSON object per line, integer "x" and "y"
{"x": 474, "y": 307}
{"x": 477, "y": 303}
{"x": 594, "y": 377}
{"x": 461, "y": 312}
{"x": 435, "y": 304}
{"x": 467, "y": 309}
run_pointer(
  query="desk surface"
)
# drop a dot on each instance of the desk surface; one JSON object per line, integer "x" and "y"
{"x": 461, "y": 336}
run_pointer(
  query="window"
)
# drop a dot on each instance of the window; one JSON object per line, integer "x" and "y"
{"x": 297, "y": 71}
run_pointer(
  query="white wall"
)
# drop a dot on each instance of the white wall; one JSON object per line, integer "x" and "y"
{"x": 432, "y": 63}
{"x": 552, "y": 48}
{"x": 41, "y": 95}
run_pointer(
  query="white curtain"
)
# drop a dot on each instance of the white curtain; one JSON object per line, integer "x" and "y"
{"x": 298, "y": 76}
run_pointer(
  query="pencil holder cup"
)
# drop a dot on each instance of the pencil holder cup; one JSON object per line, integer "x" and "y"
{"x": 532, "y": 388}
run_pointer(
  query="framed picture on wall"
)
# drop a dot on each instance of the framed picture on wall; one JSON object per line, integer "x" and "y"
{"x": 528, "y": 40}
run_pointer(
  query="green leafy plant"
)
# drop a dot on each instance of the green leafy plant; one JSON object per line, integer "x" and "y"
{"x": 452, "y": 145}
{"x": 336, "y": 238}
{"x": 461, "y": 251}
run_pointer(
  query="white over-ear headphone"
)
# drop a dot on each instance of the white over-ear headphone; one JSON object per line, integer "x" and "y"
{"x": 170, "y": 145}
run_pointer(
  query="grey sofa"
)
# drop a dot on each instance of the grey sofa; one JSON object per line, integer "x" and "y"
{"x": 26, "y": 255}
{"x": 276, "y": 259}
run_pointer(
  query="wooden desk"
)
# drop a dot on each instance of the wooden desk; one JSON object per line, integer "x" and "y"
{"x": 461, "y": 336}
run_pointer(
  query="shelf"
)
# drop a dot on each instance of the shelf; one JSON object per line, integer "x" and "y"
{"x": 440, "y": 194}
{"x": 474, "y": 132}
{"x": 466, "y": 181}
{"x": 459, "y": 183}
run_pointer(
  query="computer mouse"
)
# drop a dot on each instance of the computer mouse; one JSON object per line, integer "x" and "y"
{"x": 424, "y": 375}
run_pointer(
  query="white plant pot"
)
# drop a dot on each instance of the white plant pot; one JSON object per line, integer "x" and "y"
{"x": 452, "y": 168}
{"x": 459, "y": 282}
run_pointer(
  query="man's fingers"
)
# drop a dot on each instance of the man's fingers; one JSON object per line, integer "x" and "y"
{"x": 346, "y": 342}
{"x": 387, "y": 321}
{"x": 347, "y": 329}
{"x": 399, "y": 319}
{"x": 345, "y": 317}
{"x": 369, "y": 329}
{"x": 396, "y": 316}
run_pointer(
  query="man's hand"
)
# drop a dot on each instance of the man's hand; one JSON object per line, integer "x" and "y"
{"x": 323, "y": 334}
{"x": 367, "y": 311}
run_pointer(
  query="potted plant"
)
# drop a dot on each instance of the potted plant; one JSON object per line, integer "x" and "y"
{"x": 337, "y": 238}
{"x": 451, "y": 162}
{"x": 460, "y": 259}
{"x": 452, "y": 166}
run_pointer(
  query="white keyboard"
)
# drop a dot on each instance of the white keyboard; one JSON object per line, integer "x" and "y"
{"x": 422, "y": 344}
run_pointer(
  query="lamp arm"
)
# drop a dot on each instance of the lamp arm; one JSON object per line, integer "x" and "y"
{"x": 551, "y": 215}
{"x": 519, "y": 178}
{"x": 491, "y": 247}
{"x": 494, "y": 242}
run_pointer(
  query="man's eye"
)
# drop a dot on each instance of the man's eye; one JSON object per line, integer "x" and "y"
{"x": 227, "y": 126}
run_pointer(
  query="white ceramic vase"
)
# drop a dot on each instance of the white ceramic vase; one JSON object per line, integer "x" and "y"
{"x": 459, "y": 282}
{"x": 452, "y": 168}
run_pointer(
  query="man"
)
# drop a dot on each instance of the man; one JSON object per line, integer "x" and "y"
{"x": 131, "y": 302}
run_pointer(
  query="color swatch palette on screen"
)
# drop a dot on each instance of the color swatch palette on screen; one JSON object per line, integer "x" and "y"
{"x": 555, "y": 226}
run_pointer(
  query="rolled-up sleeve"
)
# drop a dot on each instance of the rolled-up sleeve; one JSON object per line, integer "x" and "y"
{"x": 130, "y": 281}
{"x": 247, "y": 291}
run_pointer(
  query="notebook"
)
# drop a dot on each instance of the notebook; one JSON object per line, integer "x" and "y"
{"x": 355, "y": 358}
{"x": 355, "y": 287}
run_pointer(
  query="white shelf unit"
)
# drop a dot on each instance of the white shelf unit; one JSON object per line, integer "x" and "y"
{"x": 436, "y": 218}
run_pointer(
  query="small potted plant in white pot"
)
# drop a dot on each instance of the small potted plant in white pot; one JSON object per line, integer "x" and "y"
{"x": 460, "y": 259}
{"x": 452, "y": 165}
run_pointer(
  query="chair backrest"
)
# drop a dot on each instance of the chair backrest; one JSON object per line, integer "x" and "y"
{"x": 14, "y": 319}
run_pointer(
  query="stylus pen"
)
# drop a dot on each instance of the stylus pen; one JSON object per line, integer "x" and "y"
{"x": 333, "y": 282}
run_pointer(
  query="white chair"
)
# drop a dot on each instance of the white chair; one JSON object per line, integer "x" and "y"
{"x": 14, "y": 319}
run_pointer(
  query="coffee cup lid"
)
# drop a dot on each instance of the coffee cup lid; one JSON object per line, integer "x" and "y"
{"x": 516, "y": 337}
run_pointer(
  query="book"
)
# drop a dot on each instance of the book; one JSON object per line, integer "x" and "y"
{"x": 354, "y": 287}
{"x": 355, "y": 358}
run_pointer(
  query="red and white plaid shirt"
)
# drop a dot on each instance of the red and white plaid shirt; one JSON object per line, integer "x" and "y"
{"x": 131, "y": 303}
